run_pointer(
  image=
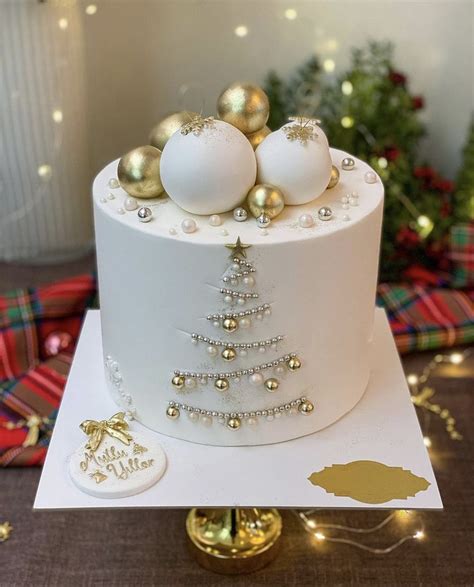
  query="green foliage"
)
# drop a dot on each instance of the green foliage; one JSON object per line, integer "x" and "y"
{"x": 464, "y": 194}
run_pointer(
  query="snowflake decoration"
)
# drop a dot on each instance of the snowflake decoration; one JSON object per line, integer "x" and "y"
{"x": 197, "y": 124}
{"x": 303, "y": 129}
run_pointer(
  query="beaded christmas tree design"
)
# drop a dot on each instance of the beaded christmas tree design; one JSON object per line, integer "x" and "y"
{"x": 238, "y": 290}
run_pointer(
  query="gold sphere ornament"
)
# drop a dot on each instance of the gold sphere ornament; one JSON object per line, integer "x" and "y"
{"x": 257, "y": 137}
{"x": 272, "y": 384}
{"x": 162, "y": 131}
{"x": 294, "y": 363}
{"x": 245, "y": 106}
{"x": 229, "y": 354}
{"x": 230, "y": 324}
{"x": 265, "y": 199}
{"x": 334, "y": 179}
{"x": 221, "y": 384}
{"x": 172, "y": 413}
{"x": 139, "y": 172}
{"x": 306, "y": 407}
{"x": 178, "y": 381}
{"x": 233, "y": 423}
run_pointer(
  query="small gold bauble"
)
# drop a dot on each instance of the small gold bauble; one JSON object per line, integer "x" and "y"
{"x": 139, "y": 172}
{"x": 306, "y": 408}
{"x": 294, "y": 363}
{"x": 221, "y": 384}
{"x": 172, "y": 413}
{"x": 178, "y": 381}
{"x": 272, "y": 384}
{"x": 229, "y": 324}
{"x": 233, "y": 423}
{"x": 265, "y": 199}
{"x": 161, "y": 132}
{"x": 229, "y": 354}
{"x": 245, "y": 106}
{"x": 334, "y": 179}
{"x": 256, "y": 138}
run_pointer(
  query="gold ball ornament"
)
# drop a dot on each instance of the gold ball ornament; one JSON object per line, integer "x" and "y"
{"x": 233, "y": 423}
{"x": 265, "y": 199}
{"x": 272, "y": 384}
{"x": 221, "y": 384}
{"x": 306, "y": 407}
{"x": 257, "y": 137}
{"x": 229, "y": 354}
{"x": 245, "y": 106}
{"x": 178, "y": 381}
{"x": 230, "y": 324}
{"x": 162, "y": 131}
{"x": 294, "y": 363}
{"x": 172, "y": 413}
{"x": 334, "y": 179}
{"x": 139, "y": 172}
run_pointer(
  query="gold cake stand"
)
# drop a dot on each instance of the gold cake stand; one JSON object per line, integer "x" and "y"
{"x": 233, "y": 541}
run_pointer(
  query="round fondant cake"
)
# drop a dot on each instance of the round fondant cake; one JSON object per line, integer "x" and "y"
{"x": 222, "y": 330}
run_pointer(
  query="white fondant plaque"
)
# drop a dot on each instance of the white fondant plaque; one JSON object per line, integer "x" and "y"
{"x": 116, "y": 469}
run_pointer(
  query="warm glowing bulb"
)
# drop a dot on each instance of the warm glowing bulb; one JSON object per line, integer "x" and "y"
{"x": 347, "y": 122}
{"x": 311, "y": 524}
{"x": 329, "y": 65}
{"x": 412, "y": 379}
{"x": 45, "y": 171}
{"x": 427, "y": 441}
{"x": 290, "y": 13}
{"x": 423, "y": 221}
{"x": 382, "y": 163}
{"x": 419, "y": 535}
{"x": 91, "y": 9}
{"x": 241, "y": 31}
{"x": 63, "y": 23}
{"x": 57, "y": 116}
{"x": 347, "y": 88}
{"x": 456, "y": 358}
{"x": 319, "y": 536}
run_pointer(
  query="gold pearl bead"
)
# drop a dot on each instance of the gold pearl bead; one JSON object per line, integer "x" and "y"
{"x": 265, "y": 199}
{"x": 245, "y": 106}
{"x": 272, "y": 384}
{"x": 334, "y": 179}
{"x": 306, "y": 408}
{"x": 256, "y": 138}
{"x": 139, "y": 172}
{"x": 230, "y": 324}
{"x": 229, "y": 354}
{"x": 172, "y": 413}
{"x": 161, "y": 133}
{"x": 178, "y": 381}
{"x": 221, "y": 384}
{"x": 233, "y": 423}
{"x": 294, "y": 363}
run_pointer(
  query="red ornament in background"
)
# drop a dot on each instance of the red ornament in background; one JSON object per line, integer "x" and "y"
{"x": 397, "y": 78}
{"x": 408, "y": 238}
{"x": 57, "y": 342}
{"x": 391, "y": 153}
{"x": 418, "y": 102}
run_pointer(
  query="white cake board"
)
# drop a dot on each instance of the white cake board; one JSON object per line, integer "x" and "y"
{"x": 383, "y": 427}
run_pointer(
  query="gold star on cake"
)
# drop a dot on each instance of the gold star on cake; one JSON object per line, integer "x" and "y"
{"x": 238, "y": 248}
{"x": 98, "y": 476}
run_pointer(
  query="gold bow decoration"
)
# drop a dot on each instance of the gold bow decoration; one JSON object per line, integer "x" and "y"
{"x": 116, "y": 426}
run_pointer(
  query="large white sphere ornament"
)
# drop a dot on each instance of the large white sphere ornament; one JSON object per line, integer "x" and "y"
{"x": 300, "y": 168}
{"x": 209, "y": 172}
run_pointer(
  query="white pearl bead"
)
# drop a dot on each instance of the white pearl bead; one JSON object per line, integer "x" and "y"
{"x": 354, "y": 201}
{"x": 113, "y": 183}
{"x": 193, "y": 416}
{"x": 120, "y": 211}
{"x": 236, "y": 379}
{"x": 345, "y": 206}
{"x": 293, "y": 411}
{"x": 228, "y": 299}
{"x": 216, "y": 323}
{"x": 235, "y": 266}
{"x": 189, "y": 382}
{"x": 278, "y": 415}
{"x": 346, "y": 217}
{"x": 370, "y": 177}
{"x": 259, "y": 317}
{"x": 274, "y": 345}
{"x": 251, "y": 421}
{"x": 172, "y": 231}
{"x": 111, "y": 197}
{"x": 267, "y": 312}
{"x": 215, "y": 220}
{"x": 306, "y": 221}
{"x": 189, "y": 225}
{"x": 130, "y": 204}
{"x": 256, "y": 379}
{"x": 345, "y": 199}
{"x": 242, "y": 353}
{"x": 249, "y": 281}
{"x": 262, "y": 349}
{"x": 212, "y": 351}
{"x": 103, "y": 200}
{"x": 245, "y": 322}
{"x": 224, "y": 232}
{"x": 206, "y": 420}
{"x": 241, "y": 301}
{"x": 194, "y": 341}
{"x": 270, "y": 417}
{"x": 280, "y": 370}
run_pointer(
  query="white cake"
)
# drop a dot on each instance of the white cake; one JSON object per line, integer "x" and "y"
{"x": 159, "y": 284}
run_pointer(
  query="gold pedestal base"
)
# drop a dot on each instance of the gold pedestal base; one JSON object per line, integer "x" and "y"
{"x": 234, "y": 541}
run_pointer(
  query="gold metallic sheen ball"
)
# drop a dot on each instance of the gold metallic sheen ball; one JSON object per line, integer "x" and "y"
{"x": 178, "y": 381}
{"x": 265, "y": 199}
{"x": 221, "y": 384}
{"x": 334, "y": 179}
{"x": 230, "y": 324}
{"x": 257, "y": 137}
{"x": 306, "y": 408}
{"x": 245, "y": 106}
{"x": 139, "y": 172}
{"x": 294, "y": 363}
{"x": 172, "y": 413}
{"x": 272, "y": 384}
{"x": 233, "y": 423}
{"x": 162, "y": 131}
{"x": 229, "y": 354}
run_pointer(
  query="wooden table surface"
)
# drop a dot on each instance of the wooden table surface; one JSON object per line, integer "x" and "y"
{"x": 149, "y": 548}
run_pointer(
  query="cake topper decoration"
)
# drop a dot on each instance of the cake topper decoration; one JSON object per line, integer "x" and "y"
{"x": 197, "y": 124}
{"x": 238, "y": 248}
{"x": 116, "y": 426}
{"x": 303, "y": 131}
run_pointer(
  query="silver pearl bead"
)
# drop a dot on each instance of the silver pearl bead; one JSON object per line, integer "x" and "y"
{"x": 144, "y": 214}
{"x": 240, "y": 214}
{"x": 348, "y": 164}
{"x": 263, "y": 221}
{"x": 325, "y": 213}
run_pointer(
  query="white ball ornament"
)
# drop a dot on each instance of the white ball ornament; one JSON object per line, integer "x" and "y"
{"x": 210, "y": 171}
{"x": 300, "y": 168}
